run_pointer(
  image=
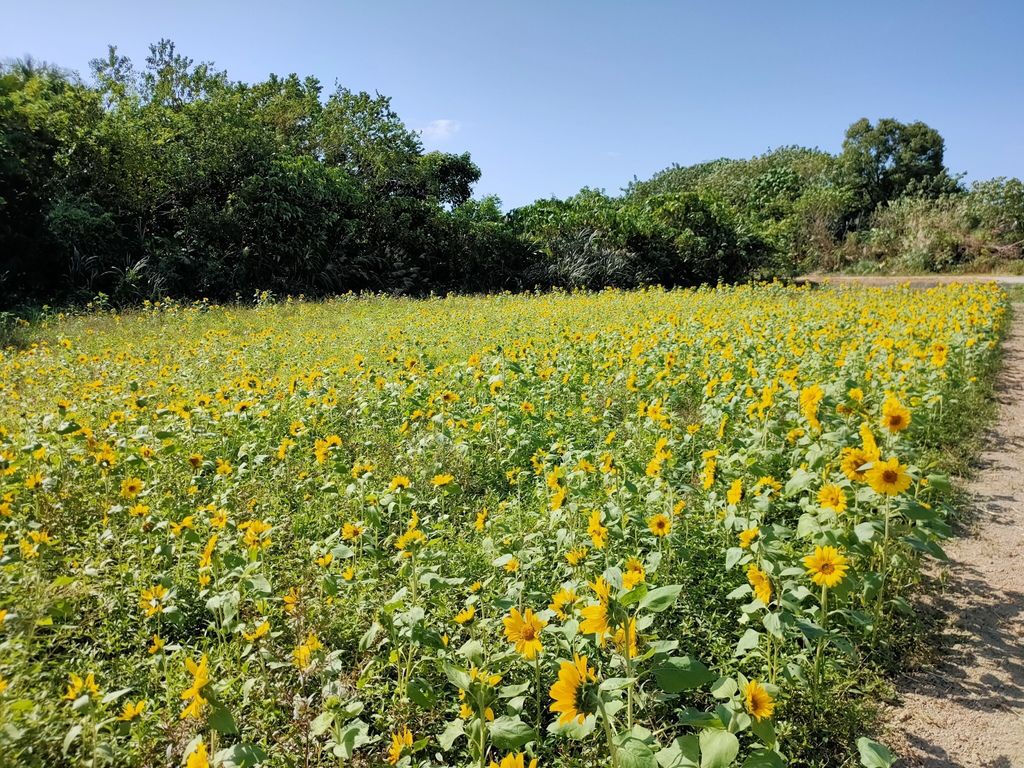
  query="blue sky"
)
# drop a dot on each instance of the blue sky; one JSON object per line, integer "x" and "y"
{"x": 551, "y": 96}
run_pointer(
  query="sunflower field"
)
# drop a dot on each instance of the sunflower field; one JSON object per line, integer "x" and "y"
{"x": 656, "y": 529}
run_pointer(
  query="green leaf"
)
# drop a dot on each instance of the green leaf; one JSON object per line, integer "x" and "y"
{"x": 873, "y": 754}
{"x": 222, "y": 721}
{"x": 240, "y": 756}
{"x": 421, "y": 692}
{"x": 457, "y": 676}
{"x": 732, "y": 556}
{"x": 662, "y": 598}
{"x": 684, "y": 752}
{"x": 510, "y": 732}
{"x": 453, "y": 730}
{"x": 70, "y": 737}
{"x": 634, "y": 753}
{"x": 750, "y": 640}
{"x": 724, "y": 688}
{"x": 717, "y": 748}
{"x": 681, "y": 673}
{"x": 764, "y": 758}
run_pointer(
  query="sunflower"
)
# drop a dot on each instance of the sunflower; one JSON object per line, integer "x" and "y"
{"x": 760, "y": 582}
{"x": 514, "y": 760}
{"x": 853, "y": 461}
{"x": 832, "y": 497}
{"x": 198, "y": 757}
{"x": 827, "y": 566}
{"x": 895, "y": 417}
{"x": 888, "y": 477}
{"x": 562, "y": 599}
{"x": 660, "y": 524}
{"x": 465, "y": 615}
{"x": 568, "y": 693}
{"x": 747, "y": 537}
{"x": 523, "y": 629}
{"x": 735, "y": 493}
{"x": 595, "y": 621}
{"x": 757, "y": 701}
{"x": 400, "y": 740}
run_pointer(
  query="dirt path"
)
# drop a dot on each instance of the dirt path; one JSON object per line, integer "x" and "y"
{"x": 967, "y": 710}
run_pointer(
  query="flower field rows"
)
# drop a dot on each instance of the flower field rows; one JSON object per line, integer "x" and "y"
{"x": 638, "y": 529}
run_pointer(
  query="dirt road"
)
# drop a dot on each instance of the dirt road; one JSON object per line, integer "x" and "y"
{"x": 967, "y": 710}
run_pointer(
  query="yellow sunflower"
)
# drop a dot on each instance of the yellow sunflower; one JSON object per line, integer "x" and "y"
{"x": 567, "y": 693}
{"x": 660, "y": 525}
{"x": 400, "y": 740}
{"x": 832, "y": 497}
{"x": 827, "y": 566}
{"x": 760, "y": 582}
{"x": 888, "y": 477}
{"x": 895, "y": 417}
{"x": 758, "y": 701}
{"x": 523, "y": 629}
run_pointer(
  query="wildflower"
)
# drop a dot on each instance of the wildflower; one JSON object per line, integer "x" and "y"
{"x": 523, "y": 630}
{"x": 481, "y": 520}
{"x": 224, "y": 467}
{"x": 826, "y": 567}
{"x": 194, "y": 693}
{"x": 568, "y": 694}
{"x": 735, "y": 493}
{"x": 465, "y": 615}
{"x": 660, "y": 524}
{"x": 832, "y": 497}
{"x": 633, "y": 574}
{"x": 512, "y": 565}
{"x": 514, "y": 760}
{"x": 810, "y": 400}
{"x": 291, "y": 600}
{"x": 262, "y": 629}
{"x": 351, "y": 531}
{"x": 398, "y": 482}
{"x": 562, "y": 599}
{"x": 132, "y": 711}
{"x": 156, "y": 645}
{"x": 747, "y": 537}
{"x": 400, "y": 741}
{"x": 888, "y": 477}
{"x": 895, "y": 417}
{"x": 131, "y": 487}
{"x": 78, "y": 685}
{"x": 440, "y": 481}
{"x": 198, "y": 757}
{"x": 760, "y": 583}
{"x": 152, "y": 599}
{"x": 303, "y": 653}
{"x": 758, "y": 703}
{"x": 598, "y": 533}
{"x": 576, "y": 555}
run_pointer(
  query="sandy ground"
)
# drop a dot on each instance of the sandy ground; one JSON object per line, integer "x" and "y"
{"x": 967, "y": 709}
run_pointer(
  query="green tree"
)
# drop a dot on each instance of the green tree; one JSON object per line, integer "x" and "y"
{"x": 890, "y": 159}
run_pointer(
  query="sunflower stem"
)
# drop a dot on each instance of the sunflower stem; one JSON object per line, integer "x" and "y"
{"x": 608, "y": 733}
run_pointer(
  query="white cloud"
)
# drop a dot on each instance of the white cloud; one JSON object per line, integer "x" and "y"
{"x": 437, "y": 131}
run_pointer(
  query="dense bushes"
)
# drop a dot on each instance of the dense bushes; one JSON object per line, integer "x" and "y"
{"x": 174, "y": 180}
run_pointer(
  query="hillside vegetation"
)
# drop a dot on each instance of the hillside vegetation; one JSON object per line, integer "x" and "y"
{"x": 171, "y": 179}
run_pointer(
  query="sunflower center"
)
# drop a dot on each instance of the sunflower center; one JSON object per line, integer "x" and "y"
{"x": 890, "y": 476}
{"x": 827, "y": 568}
{"x": 528, "y": 633}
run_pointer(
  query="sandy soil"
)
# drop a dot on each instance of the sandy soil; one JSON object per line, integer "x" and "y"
{"x": 967, "y": 709}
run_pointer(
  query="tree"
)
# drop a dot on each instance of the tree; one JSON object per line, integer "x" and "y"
{"x": 885, "y": 161}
